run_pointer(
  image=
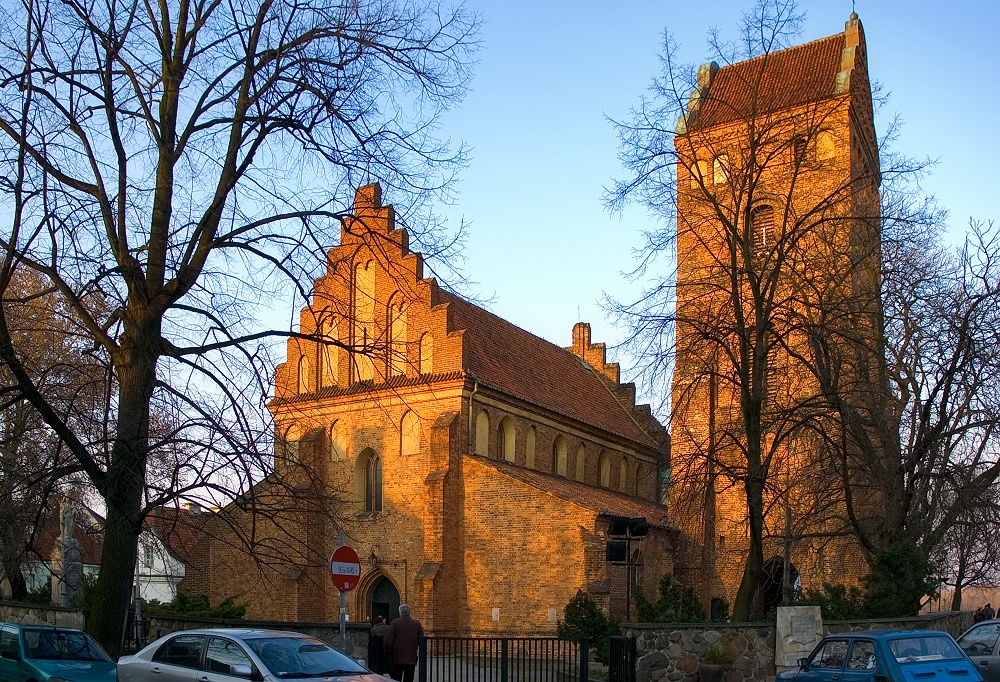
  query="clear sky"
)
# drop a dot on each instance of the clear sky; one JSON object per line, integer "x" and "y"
{"x": 542, "y": 246}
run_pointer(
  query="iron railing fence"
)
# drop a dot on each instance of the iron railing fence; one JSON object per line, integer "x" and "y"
{"x": 503, "y": 659}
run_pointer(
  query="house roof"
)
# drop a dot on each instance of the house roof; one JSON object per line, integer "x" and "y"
{"x": 601, "y": 500}
{"x": 518, "y": 363}
{"x": 779, "y": 80}
{"x": 178, "y": 528}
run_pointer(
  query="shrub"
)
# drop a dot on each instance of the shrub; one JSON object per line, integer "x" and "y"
{"x": 717, "y": 655}
{"x": 198, "y": 605}
{"x": 582, "y": 617}
{"x": 672, "y": 605}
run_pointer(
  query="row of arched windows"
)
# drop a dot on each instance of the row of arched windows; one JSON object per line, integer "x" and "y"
{"x": 642, "y": 483}
{"x": 717, "y": 170}
{"x": 364, "y": 366}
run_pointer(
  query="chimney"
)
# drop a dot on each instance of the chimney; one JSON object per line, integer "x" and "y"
{"x": 581, "y": 339}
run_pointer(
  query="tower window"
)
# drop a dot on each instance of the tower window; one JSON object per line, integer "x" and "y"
{"x": 762, "y": 227}
{"x": 800, "y": 147}
{"x": 373, "y": 484}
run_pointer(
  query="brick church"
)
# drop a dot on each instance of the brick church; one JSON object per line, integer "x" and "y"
{"x": 477, "y": 466}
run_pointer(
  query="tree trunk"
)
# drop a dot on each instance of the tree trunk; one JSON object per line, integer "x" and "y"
{"x": 123, "y": 494}
{"x": 18, "y": 587}
{"x": 745, "y": 605}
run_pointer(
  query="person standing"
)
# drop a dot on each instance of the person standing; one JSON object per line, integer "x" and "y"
{"x": 988, "y": 612}
{"x": 402, "y": 642}
{"x": 377, "y": 657}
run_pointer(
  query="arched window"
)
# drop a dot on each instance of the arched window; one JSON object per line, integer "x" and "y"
{"x": 637, "y": 563}
{"x": 826, "y": 146}
{"x": 581, "y": 462}
{"x": 701, "y": 172}
{"x": 329, "y": 354}
{"x": 338, "y": 445}
{"x": 559, "y": 456}
{"x": 506, "y": 439}
{"x": 368, "y": 481}
{"x": 604, "y": 469}
{"x": 482, "y": 433}
{"x": 800, "y": 147}
{"x": 409, "y": 434}
{"x": 641, "y": 474}
{"x": 720, "y": 170}
{"x": 529, "y": 448}
{"x": 364, "y": 320}
{"x": 623, "y": 471}
{"x": 397, "y": 337}
{"x": 426, "y": 354}
{"x": 762, "y": 227}
{"x": 304, "y": 369}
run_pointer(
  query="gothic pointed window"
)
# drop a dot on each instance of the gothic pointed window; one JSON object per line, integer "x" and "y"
{"x": 762, "y": 228}
{"x": 482, "y": 433}
{"x": 304, "y": 371}
{"x": 409, "y": 436}
{"x": 338, "y": 447}
{"x": 581, "y": 463}
{"x": 506, "y": 439}
{"x": 397, "y": 337}
{"x": 373, "y": 483}
{"x": 559, "y": 456}
{"x": 426, "y": 354}
{"x": 623, "y": 471}
{"x": 826, "y": 146}
{"x": 364, "y": 321}
{"x": 329, "y": 355}
{"x": 604, "y": 469}
{"x": 720, "y": 170}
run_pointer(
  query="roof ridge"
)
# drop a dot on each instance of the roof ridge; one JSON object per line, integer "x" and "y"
{"x": 782, "y": 51}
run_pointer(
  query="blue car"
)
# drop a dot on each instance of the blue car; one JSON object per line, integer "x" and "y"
{"x": 43, "y": 653}
{"x": 896, "y": 656}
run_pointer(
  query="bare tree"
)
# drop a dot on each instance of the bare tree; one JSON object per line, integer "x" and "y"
{"x": 171, "y": 167}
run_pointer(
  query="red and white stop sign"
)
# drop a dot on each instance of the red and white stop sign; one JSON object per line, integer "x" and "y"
{"x": 345, "y": 569}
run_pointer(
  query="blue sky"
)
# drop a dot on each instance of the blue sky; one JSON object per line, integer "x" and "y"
{"x": 542, "y": 246}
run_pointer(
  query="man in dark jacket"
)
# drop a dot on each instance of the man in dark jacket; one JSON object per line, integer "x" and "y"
{"x": 402, "y": 640}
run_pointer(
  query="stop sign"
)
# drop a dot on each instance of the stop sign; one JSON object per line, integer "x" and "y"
{"x": 345, "y": 569}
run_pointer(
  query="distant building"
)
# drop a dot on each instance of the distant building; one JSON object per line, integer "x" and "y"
{"x": 163, "y": 549}
{"x": 479, "y": 465}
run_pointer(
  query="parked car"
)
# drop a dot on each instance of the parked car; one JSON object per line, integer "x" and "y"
{"x": 42, "y": 653}
{"x": 225, "y": 655}
{"x": 980, "y": 643}
{"x": 890, "y": 656}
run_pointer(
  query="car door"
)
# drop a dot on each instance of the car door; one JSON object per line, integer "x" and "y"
{"x": 10, "y": 654}
{"x": 827, "y": 662}
{"x": 220, "y": 654}
{"x": 178, "y": 660}
{"x": 980, "y": 644}
{"x": 862, "y": 662}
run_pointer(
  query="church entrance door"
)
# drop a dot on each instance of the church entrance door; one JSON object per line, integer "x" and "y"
{"x": 385, "y": 600}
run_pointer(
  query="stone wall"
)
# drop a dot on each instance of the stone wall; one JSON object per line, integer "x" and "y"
{"x": 669, "y": 652}
{"x": 357, "y": 633}
{"x": 16, "y": 612}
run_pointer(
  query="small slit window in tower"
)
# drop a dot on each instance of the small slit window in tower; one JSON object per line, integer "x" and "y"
{"x": 762, "y": 225}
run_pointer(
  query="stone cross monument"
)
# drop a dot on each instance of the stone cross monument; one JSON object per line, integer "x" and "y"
{"x": 67, "y": 559}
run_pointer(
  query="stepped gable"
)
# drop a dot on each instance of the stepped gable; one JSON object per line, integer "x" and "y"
{"x": 518, "y": 363}
{"x": 602, "y": 500}
{"x": 788, "y": 78}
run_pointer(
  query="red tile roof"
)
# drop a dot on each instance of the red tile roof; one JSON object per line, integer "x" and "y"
{"x": 509, "y": 359}
{"x": 178, "y": 528}
{"x": 779, "y": 80}
{"x": 601, "y": 500}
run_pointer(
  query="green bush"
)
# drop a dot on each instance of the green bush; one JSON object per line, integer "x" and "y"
{"x": 672, "y": 605}
{"x": 198, "y": 605}
{"x": 717, "y": 655}
{"x": 41, "y": 595}
{"x": 582, "y": 617}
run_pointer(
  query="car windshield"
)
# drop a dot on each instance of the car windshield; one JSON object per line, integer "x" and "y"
{"x": 40, "y": 643}
{"x": 924, "y": 648}
{"x": 301, "y": 657}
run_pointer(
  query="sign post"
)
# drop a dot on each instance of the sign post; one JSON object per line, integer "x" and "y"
{"x": 345, "y": 571}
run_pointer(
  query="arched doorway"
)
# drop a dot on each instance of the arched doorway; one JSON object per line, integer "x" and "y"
{"x": 769, "y": 590}
{"x": 384, "y": 600}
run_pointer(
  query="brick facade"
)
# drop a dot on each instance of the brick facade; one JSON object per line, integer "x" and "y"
{"x": 503, "y": 457}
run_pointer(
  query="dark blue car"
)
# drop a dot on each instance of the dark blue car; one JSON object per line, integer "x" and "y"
{"x": 891, "y": 656}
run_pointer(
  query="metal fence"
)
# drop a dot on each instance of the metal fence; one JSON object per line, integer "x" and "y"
{"x": 495, "y": 659}
{"x": 621, "y": 659}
